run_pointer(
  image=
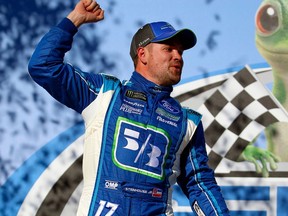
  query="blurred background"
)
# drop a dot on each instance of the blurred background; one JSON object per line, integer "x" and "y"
{"x": 31, "y": 121}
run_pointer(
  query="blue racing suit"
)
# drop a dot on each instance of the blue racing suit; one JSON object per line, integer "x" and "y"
{"x": 138, "y": 140}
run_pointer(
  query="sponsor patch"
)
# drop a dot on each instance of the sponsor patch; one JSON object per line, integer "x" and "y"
{"x": 156, "y": 192}
{"x": 136, "y": 190}
{"x": 135, "y": 104}
{"x": 144, "y": 192}
{"x": 111, "y": 185}
{"x": 166, "y": 114}
{"x": 159, "y": 118}
{"x": 168, "y": 107}
{"x": 130, "y": 109}
{"x": 134, "y": 150}
{"x": 136, "y": 95}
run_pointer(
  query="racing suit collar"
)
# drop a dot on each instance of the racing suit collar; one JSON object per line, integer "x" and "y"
{"x": 138, "y": 79}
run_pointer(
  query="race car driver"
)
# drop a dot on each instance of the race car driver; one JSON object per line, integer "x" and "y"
{"x": 138, "y": 140}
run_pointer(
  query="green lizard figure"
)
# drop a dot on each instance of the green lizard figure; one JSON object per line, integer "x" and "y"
{"x": 272, "y": 44}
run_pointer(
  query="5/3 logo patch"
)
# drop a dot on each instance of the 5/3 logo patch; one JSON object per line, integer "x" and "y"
{"x": 140, "y": 148}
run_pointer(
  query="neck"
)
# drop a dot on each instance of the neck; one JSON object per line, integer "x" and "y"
{"x": 280, "y": 86}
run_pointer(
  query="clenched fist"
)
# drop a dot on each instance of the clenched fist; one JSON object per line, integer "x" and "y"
{"x": 86, "y": 11}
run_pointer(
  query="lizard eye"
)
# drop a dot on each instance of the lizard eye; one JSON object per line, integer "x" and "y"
{"x": 267, "y": 19}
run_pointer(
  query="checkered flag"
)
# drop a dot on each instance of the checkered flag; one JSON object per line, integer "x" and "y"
{"x": 236, "y": 113}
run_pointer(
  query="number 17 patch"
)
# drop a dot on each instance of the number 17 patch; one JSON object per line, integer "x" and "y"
{"x": 140, "y": 148}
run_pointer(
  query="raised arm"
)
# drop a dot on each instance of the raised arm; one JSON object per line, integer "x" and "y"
{"x": 63, "y": 81}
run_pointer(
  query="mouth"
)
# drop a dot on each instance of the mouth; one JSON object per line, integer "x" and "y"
{"x": 177, "y": 66}
{"x": 272, "y": 51}
{"x": 177, "y": 70}
{"x": 272, "y": 56}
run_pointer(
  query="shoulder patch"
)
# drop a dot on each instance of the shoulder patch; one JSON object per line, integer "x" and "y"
{"x": 193, "y": 112}
{"x": 109, "y": 77}
{"x": 193, "y": 115}
{"x": 110, "y": 82}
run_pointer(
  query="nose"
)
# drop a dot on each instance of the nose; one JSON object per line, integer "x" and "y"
{"x": 177, "y": 53}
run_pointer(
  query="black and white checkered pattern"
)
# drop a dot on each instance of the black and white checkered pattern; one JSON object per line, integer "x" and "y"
{"x": 235, "y": 114}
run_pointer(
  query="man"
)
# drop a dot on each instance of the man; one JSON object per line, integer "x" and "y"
{"x": 138, "y": 140}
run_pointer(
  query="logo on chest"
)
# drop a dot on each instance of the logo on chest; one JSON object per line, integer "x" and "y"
{"x": 136, "y": 95}
{"x": 140, "y": 148}
{"x": 168, "y": 107}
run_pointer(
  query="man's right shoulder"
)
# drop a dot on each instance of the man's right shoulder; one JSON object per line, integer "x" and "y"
{"x": 109, "y": 77}
{"x": 110, "y": 82}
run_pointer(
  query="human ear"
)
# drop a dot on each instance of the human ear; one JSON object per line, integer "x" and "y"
{"x": 141, "y": 52}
